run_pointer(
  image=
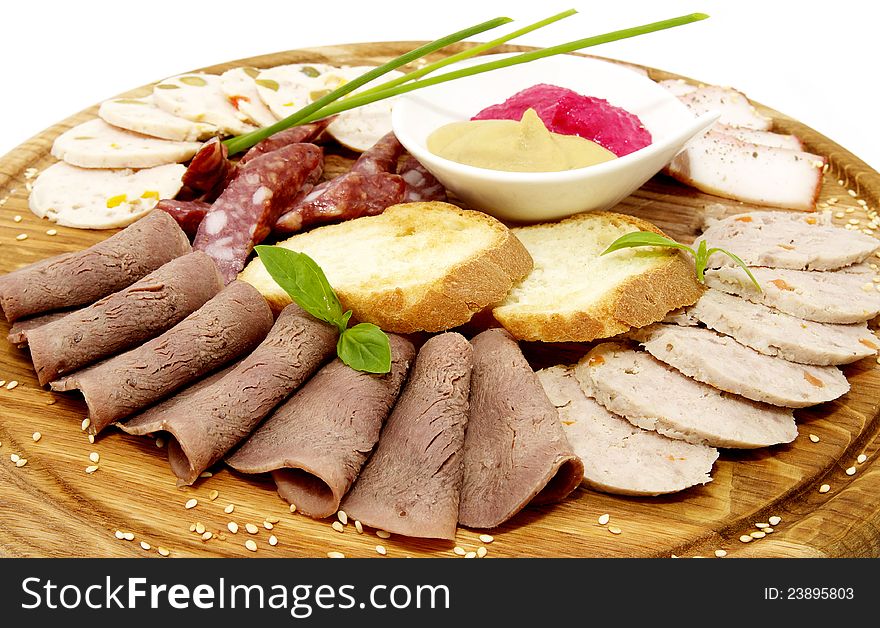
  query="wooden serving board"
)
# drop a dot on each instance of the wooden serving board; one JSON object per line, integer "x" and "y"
{"x": 51, "y": 507}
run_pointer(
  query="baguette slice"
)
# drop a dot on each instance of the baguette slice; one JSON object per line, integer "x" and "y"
{"x": 576, "y": 294}
{"x": 415, "y": 267}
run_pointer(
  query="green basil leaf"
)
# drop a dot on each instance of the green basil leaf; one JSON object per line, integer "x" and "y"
{"x": 645, "y": 238}
{"x": 740, "y": 263}
{"x": 365, "y": 347}
{"x": 305, "y": 282}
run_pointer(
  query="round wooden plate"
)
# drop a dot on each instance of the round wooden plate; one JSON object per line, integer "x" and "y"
{"x": 52, "y": 507}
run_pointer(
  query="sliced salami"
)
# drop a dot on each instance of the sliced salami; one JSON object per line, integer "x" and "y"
{"x": 188, "y": 214}
{"x": 380, "y": 157}
{"x": 210, "y": 169}
{"x": 421, "y": 185}
{"x": 305, "y": 134}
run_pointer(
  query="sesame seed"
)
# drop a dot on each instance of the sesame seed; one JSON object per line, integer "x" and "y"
{"x": 228, "y": 510}
{"x": 268, "y": 525}
{"x": 343, "y": 518}
{"x": 145, "y": 545}
{"x": 358, "y": 527}
{"x": 119, "y": 534}
{"x": 382, "y": 534}
{"x": 191, "y": 504}
{"x": 758, "y": 534}
{"x": 486, "y": 538}
{"x": 459, "y": 550}
{"x": 192, "y": 527}
{"x": 21, "y": 236}
{"x": 720, "y": 553}
{"x": 850, "y": 210}
{"x": 768, "y": 530}
{"x": 2, "y": 382}
{"x": 851, "y": 193}
{"x": 774, "y": 520}
{"x": 51, "y": 232}
{"x": 335, "y": 555}
{"x": 251, "y": 545}
{"x": 11, "y": 385}
{"x": 273, "y": 540}
{"x": 160, "y": 443}
{"x": 470, "y": 555}
{"x": 207, "y": 536}
{"x": 814, "y": 438}
{"x": 251, "y": 528}
{"x": 293, "y": 508}
{"x": 206, "y": 474}
{"x": 482, "y": 551}
{"x": 851, "y": 471}
{"x": 36, "y": 436}
{"x": 861, "y": 459}
{"x": 85, "y": 424}
{"x": 214, "y": 495}
{"x": 745, "y": 538}
{"x": 854, "y": 221}
{"x": 762, "y": 525}
{"x": 163, "y": 552}
{"x": 604, "y": 519}
{"x": 91, "y": 468}
{"x": 380, "y": 549}
{"x": 20, "y": 462}
{"x": 614, "y": 530}
{"x": 839, "y": 215}
{"x": 128, "y": 536}
{"x": 94, "y": 456}
{"x": 232, "y": 527}
{"x": 273, "y": 519}
{"x": 824, "y": 488}
{"x": 14, "y": 457}
{"x": 91, "y": 439}
{"x": 337, "y": 526}
{"x": 200, "y": 528}
{"x": 17, "y": 218}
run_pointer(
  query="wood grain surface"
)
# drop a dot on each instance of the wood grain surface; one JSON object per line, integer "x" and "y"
{"x": 51, "y": 507}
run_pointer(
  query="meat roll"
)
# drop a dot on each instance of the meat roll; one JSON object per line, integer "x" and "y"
{"x": 315, "y": 444}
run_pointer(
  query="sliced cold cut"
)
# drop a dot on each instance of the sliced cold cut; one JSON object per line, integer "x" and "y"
{"x": 421, "y": 185}
{"x": 126, "y": 318}
{"x": 142, "y": 115}
{"x": 722, "y": 362}
{"x": 303, "y": 134}
{"x": 412, "y": 482}
{"x": 188, "y": 214}
{"x": 20, "y": 329}
{"x": 735, "y": 108}
{"x": 825, "y": 297}
{"x": 246, "y": 211}
{"x": 515, "y": 451}
{"x": 772, "y": 332}
{"x": 619, "y": 457}
{"x": 199, "y": 97}
{"x": 787, "y": 240}
{"x": 316, "y": 442}
{"x": 240, "y": 88}
{"x": 208, "y": 424}
{"x": 85, "y": 276}
{"x": 654, "y": 396}
{"x": 226, "y": 327}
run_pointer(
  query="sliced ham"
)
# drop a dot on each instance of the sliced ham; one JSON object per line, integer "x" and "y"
{"x": 772, "y": 332}
{"x": 826, "y": 297}
{"x": 85, "y": 276}
{"x": 723, "y": 165}
{"x": 226, "y": 327}
{"x": 725, "y": 364}
{"x": 411, "y": 483}
{"x": 515, "y": 452}
{"x": 654, "y": 396}
{"x": 316, "y": 442}
{"x": 619, "y": 457}
{"x": 780, "y": 239}
{"x": 126, "y": 318}
{"x": 735, "y": 108}
{"x": 207, "y": 424}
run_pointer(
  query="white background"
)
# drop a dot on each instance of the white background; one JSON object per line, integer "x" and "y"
{"x": 815, "y": 61}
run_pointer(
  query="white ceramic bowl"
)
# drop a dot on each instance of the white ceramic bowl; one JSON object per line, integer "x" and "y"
{"x": 540, "y": 196}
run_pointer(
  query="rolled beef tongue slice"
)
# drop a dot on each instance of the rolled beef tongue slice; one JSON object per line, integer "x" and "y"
{"x": 226, "y": 327}
{"x": 316, "y": 442}
{"x": 207, "y": 424}
{"x": 20, "y": 329}
{"x": 83, "y": 277}
{"x": 126, "y": 318}
{"x": 515, "y": 451}
{"x": 412, "y": 482}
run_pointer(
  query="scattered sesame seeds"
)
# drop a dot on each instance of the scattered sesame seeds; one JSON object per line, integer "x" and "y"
{"x": 95, "y": 457}
{"x": 459, "y": 550}
{"x": 814, "y": 438}
{"x": 851, "y": 193}
{"x": 774, "y": 520}
{"x": 482, "y": 551}
{"x": 85, "y": 424}
{"x": 854, "y": 221}
{"x": 228, "y": 510}
{"x": 2, "y": 382}
{"x": 292, "y": 508}
{"x": 358, "y": 526}
{"x": 160, "y": 443}
{"x": 720, "y": 553}
{"x": 758, "y": 534}
{"x": 380, "y": 549}
{"x": 232, "y": 527}
{"x": 824, "y": 488}
{"x": 36, "y": 436}
{"x": 768, "y": 530}
{"x": 614, "y": 530}
{"x": 851, "y": 471}
{"x": 91, "y": 468}
{"x": 200, "y": 528}
{"x": 192, "y": 527}
{"x": 604, "y": 519}
{"x": 486, "y": 538}
{"x": 11, "y": 385}
{"x": 335, "y": 555}
{"x": 20, "y": 462}
{"x": 382, "y": 534}
{"x": 17, "y": 218}
{"x": 251, "y": 528}
{"x": 745, "y": 538}
{"x": 214, "y": 495}
{"x": 273, "y": 540}
{"x": 51, "y": 232}
{"x": 343, "y": 518}
{"x": 128, "y": 536}
{"x": 839, "y": 215}
{"x": 251, "y": 545}
{"x": 206, "y": 474}
{"x": 273, "y": 519}
{"x": 119, "y": 534}
{"x": 145, "y": 546}
{"x": 14, "y": 457}
{"x": 861, "y": 459}
{"x": 206, "y": 536}
{"x": 337, "y": 526}
{"x": 91, "y": 439}
{"x": 470, "y": 555}
{"x": 163, "y": 552}
{"x": 191, "y": 504}
{"x": 21, "y": 236}
{"x": 850, "y": 210}
{"x": 762, "y": 525}
{"x": 268, "y": 525}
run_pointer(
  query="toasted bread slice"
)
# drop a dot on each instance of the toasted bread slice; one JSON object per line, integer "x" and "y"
{"x": 576, "y": 294}
{"x": 415, "y": 267}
